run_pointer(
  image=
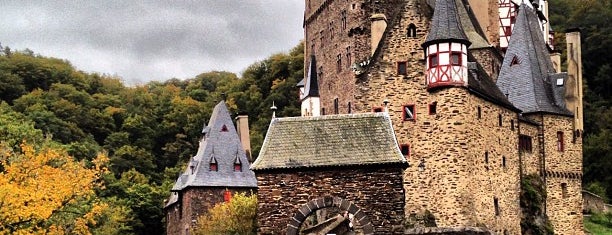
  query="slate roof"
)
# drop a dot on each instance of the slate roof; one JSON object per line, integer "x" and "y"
{"x": 312, "y": 83}
{"x": 480, "y": 84}
{"x": 220, "y": 145}
{"x": 331, "y": 140}
{"x": 446, "y": 25}
{"x": 527, "y": 74}
{"x": 470, "y": 25}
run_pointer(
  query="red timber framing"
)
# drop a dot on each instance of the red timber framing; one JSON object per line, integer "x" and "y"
{"x": 446, "y": 64}
{"x": 507, "y": 17}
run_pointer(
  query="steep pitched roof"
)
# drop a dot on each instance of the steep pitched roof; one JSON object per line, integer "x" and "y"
{"x": 480, "y": 84}
{"x": 470, "y": 26}
{"x": 332, "y": 140}
{"x": 220, "y": 145}
{"x": 446, "y": 25}
{"x": 527, "y": 74}
{"x": 312, "y": 83}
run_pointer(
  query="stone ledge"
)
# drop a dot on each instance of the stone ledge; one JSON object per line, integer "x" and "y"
{"x": 450, "y": 231}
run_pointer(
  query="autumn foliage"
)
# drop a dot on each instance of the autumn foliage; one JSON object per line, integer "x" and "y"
{"x": 47, "y": 192}
{"x": 237, "y": 216}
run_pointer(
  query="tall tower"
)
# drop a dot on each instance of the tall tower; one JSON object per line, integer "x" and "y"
{"x": 573, "y": 90}
{"x": 311, "y": 105}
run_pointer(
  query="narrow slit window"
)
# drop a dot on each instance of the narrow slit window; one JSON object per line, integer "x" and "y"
{"x": 336, "y": 107}
{"x": 349, "y": 107}
{"x": 512, "y": 124}
{"x": 496, "y": 204}
{"x": 487, "y": 157}
{"x": 564, "y": 190}
{"x": 503, "y": 161}
{"x": 408, "y": 113}
{"x": 479, "y": 112}
{"x": 560, "y": 146}
{"x": 499, "y": 117}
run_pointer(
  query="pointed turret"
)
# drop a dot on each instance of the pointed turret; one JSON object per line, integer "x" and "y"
{"x": 528, "y": 76}
{"x": 311, "y": 105}
{"x": 446, "y": 47}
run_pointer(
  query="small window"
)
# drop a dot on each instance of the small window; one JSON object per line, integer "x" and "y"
{"x": 496, "y": 205}
{"x": 560, "y": 141}
{"x": 349, "y": 107}
{"x": 405, "y": 148}
{"x": 433, "y": 60}
{"x": 512, "y": 124}
{"x": 487, "y": 157}
{"x": 213, "y": 166}
{"x": 343, "y": 19}
{"x": 455, "y": 58}
{"x": 564, "y": 190}
{"x": 408, "y": 113}
{"x": 322, "y": 111}
{"x": 401, "y": 68}
{"x": 224, "y": 128}
{"x": 412, "y": 32}
{"x": 227, "y": 196}
{"x": 339, "y": 63}
{"x": 377, "y": 109}
{"x": 515, "y": 61}
{"x": 336, "y": 108}
{"x": 237, "y": 167}
{"x": 525, "y": 143}
{"x": 349, "y": 60}
{"x": 503, "y": 161}
{"x": 479, "y": 112}
{"x": 432, "y": 108}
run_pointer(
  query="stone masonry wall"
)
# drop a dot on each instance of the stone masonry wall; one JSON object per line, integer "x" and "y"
{"x": 563, "y": 176}
{"x": 376, "y": 191}
{"x": 489, "y": 60}
{"x": 194, "y": 203}
{"x": 531, "y": 160}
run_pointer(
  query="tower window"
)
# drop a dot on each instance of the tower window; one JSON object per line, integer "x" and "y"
{"x": 512, "y": 124}
{"x": 237, "y": 166}
{"x": 499, "y": 117}
{"x": 408, "y": 113}
{"x": 377, "y": 109}
{"x": 336, "y": 108}
{"x": 496, "y": 204}
{"x": 224, "y": 128}
{"x": 525, "y": 143}
{"x": 213, "y": 166}
{"x": 487, "y": 157}
{"x": 343, "y": 19}
{"x": 412, "y": 31}
{"x": 322, "y": 111}
{"x": 479, "y": 112}
{"x": 433, "y": 60}
{"x": 339, "y": 62}
{"x": 348, "y": 56}
{"x": 405, "y": 148}
{"x": 401, "y": 68}
{"x": 564, "y": 190}
{"x": 503, "y": 161}
{"x": 455, "y": 58}
{"x": 432, "y": 108}
{"x": 560, "y": 141}
{"x": 349, "y": 107}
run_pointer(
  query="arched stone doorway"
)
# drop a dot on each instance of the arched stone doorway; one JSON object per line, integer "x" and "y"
{"x": 342, "y": 211}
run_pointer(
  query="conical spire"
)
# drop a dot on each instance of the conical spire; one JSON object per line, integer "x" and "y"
{"x": 527, "y": 74}
{"x": 446, "y": 24}
{"x": 312, "y": 83}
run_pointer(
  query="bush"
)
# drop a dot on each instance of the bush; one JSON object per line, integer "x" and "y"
{"x": 238, "y": 216}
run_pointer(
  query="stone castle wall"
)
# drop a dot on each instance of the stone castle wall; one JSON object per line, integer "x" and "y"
{"x": 377, "y": 191}
{"x": 531, "y": 159}
{"x": 194, "y": 203}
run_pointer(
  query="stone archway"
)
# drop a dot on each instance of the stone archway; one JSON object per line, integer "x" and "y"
{"x": 358, "y": 216}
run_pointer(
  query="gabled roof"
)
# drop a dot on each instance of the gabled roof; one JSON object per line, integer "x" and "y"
{"x": 332, "y": 140}
{"x": 480, "y": 84}
{"x": 312, "y": 83}
{"x": 446, "y": 25}
{"x": 527, "y": 74}
{"x": 220, "y": 145}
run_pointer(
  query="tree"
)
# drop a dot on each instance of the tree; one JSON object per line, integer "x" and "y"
{"x": 40, "y": 187}
{"x": 238, "y": 216}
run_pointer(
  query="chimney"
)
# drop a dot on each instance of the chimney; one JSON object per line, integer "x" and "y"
{"x": 555, "y": 57}
{"x": 242, "y": 126}
{"x": 379, "y": 24}
{"x": 573, "y": 89}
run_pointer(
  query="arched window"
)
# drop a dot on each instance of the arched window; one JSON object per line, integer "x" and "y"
{"x": 412, "y": 32}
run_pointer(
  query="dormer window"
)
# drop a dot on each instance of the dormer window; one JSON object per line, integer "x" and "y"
{"x": 515, "y": 61}
{"x": 213, "y": 166}
{"x": 237, "y": 164}
{"x": 224, "y": 128}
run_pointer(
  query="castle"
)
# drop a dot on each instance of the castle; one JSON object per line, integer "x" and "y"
{"x": 476, "y": 99}
{"x": 425, "y": 110}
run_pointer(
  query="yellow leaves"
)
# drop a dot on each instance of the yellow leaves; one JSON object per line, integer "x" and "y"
{"x": 36, "y": 184}
{"x": 234, "y": 217}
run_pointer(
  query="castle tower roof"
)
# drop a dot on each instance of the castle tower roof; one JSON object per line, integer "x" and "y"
{"x": 312, "y": 83}
{"x": 221, "y": 146}
{"x": 527, "y": 74}
{"x": 446, "y": 24}
{"x": 470, "y": 26}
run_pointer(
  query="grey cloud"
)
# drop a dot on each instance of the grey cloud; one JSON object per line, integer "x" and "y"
{"x": 143, "y": 40}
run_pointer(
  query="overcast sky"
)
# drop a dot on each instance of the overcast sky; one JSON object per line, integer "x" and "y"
{"x": 153, "y": 40}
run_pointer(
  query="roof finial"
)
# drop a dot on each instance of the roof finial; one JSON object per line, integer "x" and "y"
{"x": 273, "y": 108}
{"x": 223, "y": 96}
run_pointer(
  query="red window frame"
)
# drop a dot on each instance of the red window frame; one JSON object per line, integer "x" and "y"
{"x": 458, "y": 55}
{"x": 404, "y": 114}
{"x": 402, "y": 68}
{"x": 560, "y": 146}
